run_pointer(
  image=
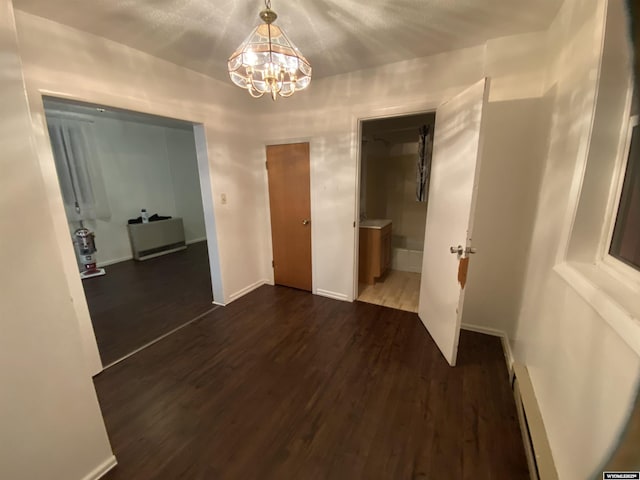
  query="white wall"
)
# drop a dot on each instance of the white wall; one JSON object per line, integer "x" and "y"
{"x": 64, "y": 62}
{"x": 50, "y": 417}
{"x": 516, "y": 140}
{"x": 144, "y": 165}
{"x": 372, "y": 188}
{"x": 181, "y": 150}
{"x": 584, "y": 373}
{"x": 327, "y": 115}
{"x": 136, "y": 172}
{"x": 391, "y": 193}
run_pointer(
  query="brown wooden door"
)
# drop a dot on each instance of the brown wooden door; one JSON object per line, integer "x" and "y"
{"x": 290, "y": 201}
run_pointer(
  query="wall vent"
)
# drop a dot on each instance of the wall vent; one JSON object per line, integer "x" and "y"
{"x": 149, "y": 240}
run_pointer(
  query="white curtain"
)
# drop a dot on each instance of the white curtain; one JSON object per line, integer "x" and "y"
{"x": 79, "y": 172}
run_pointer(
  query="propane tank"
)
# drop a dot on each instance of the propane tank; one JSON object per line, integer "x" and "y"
{"x": 85, "y": 246}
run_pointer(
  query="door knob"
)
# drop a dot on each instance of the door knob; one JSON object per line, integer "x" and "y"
{"x": 306, "y": 221}
{"x": 460, "y": 251}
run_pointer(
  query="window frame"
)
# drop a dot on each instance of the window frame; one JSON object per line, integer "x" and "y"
{"x": 610, "y": 264}
{"x": 582, "y": 258}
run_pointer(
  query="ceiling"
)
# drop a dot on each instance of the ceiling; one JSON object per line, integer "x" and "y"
{"x": 335, "y": 35}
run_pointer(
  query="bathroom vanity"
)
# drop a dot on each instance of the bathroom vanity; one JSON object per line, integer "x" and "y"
{"x": 374, "y": 250}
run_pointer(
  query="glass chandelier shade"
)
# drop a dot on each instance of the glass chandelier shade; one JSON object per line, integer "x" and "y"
{"x": 268, "y": 62}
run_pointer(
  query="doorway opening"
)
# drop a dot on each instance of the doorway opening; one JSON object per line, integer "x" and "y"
{"x": 131, "y": 188}
{"x": 395, "y": 161}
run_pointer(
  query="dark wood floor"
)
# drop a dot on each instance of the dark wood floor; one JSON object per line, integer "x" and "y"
{"x": 137, "y": 302}
{"x": 282, "y": 384}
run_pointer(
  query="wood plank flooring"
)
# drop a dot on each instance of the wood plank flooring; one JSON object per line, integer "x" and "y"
{"x": 396, "y": 289}
{"x": 137, "y": 302}
{"x": 282, "y": 384}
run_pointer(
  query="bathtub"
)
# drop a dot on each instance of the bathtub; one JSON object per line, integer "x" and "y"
{"x": 406, "y": 254}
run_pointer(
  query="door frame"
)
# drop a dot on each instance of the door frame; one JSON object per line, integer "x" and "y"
{"x": 36, "y": 99}
{"x": 358, "y": 117}
{"x": 312, "y": 147}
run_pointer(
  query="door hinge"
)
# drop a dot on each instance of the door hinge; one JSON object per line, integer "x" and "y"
{"x": 354, "y": 224}
{"x": 266, "y": 165}
{"x": 273, "y": 264}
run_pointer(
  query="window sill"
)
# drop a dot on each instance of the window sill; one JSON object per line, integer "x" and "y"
{"x": 616, "y": 301}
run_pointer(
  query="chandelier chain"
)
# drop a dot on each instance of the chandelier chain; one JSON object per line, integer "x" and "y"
{"x": 267, "y": 3}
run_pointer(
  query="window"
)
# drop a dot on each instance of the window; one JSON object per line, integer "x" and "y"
{"x": 625, "y": 242}
{"x": 593, "y": 255}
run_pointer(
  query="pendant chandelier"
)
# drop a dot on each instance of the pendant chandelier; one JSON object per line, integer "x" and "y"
{"x": 268, "y": 62}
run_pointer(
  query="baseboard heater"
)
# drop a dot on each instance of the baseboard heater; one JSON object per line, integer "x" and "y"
{"x": 534, "y": 435}
{"x": 149, "y": 240}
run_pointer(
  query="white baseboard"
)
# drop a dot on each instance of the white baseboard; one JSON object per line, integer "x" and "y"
{"x": 247, "y": 289}
{"x": 506, "y": 345}
{"x": 508, "y": 355}
{"x": 102, "y": 469}
{"x": 479, "y": 329}
{"x": 334, "y": 295}
{"x": 106, "y": 263}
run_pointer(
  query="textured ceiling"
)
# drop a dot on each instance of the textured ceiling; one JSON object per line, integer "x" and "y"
{"x": 335, "y": 35}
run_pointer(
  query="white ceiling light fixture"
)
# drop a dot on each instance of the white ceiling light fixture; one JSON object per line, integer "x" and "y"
{"x": 268, "y": 62}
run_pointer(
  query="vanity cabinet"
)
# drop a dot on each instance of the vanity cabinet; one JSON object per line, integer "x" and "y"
{"x": 374, "y": 250}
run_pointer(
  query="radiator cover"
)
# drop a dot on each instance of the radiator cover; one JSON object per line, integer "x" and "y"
{"x": 534, "y": 435}
{"x": 149, "y": 240}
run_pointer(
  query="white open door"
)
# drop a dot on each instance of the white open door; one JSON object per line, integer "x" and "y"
{"x": 453, "y": 187}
